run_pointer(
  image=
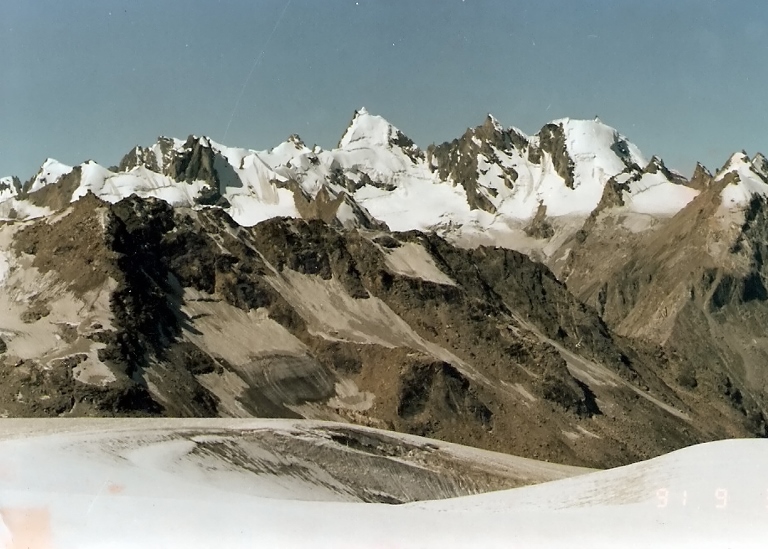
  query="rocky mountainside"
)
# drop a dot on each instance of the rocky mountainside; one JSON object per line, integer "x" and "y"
{"x": 556, "y": 296}
{"x": 693, "y": 284}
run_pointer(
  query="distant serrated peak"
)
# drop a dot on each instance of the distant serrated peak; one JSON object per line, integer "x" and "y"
{"x": 493, "y": 133}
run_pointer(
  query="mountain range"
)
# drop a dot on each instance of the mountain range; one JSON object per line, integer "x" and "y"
{"x": 556, "y": 296}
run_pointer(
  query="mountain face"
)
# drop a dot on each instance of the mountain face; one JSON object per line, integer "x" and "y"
{"x": 695, "y": 285}
{"x": 556, "y": 296}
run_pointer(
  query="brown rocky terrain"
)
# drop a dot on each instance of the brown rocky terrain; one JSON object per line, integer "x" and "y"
{"x": 638, "y": 333}
{"x": 693, "y": 287}
{"x": 166, "y": 312}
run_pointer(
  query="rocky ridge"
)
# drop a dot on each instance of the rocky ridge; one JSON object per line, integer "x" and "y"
{"x": 196, "y": 279}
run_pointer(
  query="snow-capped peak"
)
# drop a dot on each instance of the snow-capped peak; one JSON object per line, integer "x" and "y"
{"x": 611, "y": 151}
{"x": 655, "y": 164}
{"x": 368, "y": 131}
{"x": 738, "y": 163}
{"x": 745, "y": 180}
{"x": 50, "y": 172}
{"x": 567, "y": 166}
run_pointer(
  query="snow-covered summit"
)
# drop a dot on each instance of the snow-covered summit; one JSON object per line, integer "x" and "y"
{"x": 598, "y": 150}
{"x": 50, "y": 172}
{"x": 561, "y": 170}
{"x": 366, "y": 131}
{"x": 744, "y": 180}
{"x": 373, "y": 132}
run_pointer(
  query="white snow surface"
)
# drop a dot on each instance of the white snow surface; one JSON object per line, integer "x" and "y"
{"x": 125, "y": 487}
{"x": 366, "y": 131}
{"x": 113, "y": 187}
{"x": 654, "y": 194}
{"x": 590, "y": 145}
{"x": 248, "y": 183}
{"x": 738, "y": 194}
{"x": 50, "y": 172}
{"x": 8, "y": 191}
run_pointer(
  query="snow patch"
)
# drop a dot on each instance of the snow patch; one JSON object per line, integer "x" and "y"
{"x": 655, "y": 195}
{"x": 737, "y": 194}
{"x": 706, "y": 496}
{"x": 412, "y": 260}
{"x": 50, "y": 172}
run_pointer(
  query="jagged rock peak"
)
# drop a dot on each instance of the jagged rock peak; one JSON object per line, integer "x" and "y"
{"x": 701, "y": 168}
{"x": 656, "y": 166}
{"x": 155, "y": 157}
{"x": 296, "y": 140}
{"x": 760, "y": 163}
{"x": 494, "y": 122}
{"x": 492, "y": 132}
{"x": 702, "y": 177}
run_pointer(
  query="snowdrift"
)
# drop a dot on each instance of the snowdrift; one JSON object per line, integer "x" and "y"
{"x": 209, "y": 483}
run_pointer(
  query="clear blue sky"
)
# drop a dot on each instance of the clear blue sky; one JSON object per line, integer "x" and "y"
{"x": 685, "y": 79}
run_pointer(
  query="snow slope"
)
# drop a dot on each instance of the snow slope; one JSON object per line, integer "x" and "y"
{"x": 165, "y": 484}
{"x": 50, "y": 172}
{"x": 749, "y": 181}
{"x": 655, "y": 195}
{"x": 113, "y": 187}
{"x": 7, "y": 189}
{"x": 592, "y": 148}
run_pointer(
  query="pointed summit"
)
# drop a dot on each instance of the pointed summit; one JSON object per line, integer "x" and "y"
{"x": 655, "y": 165}
{"x": 50, "y": 172}
{"x": 760, "y": 163}
{"x": 494, "y": 122}
{"x": 702, "y": 177}
{"x": 738, "y": 163}
{"x": 296, "y": 140}
{"x": 368, "y": 131}
{"x": 742, "y": 180}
